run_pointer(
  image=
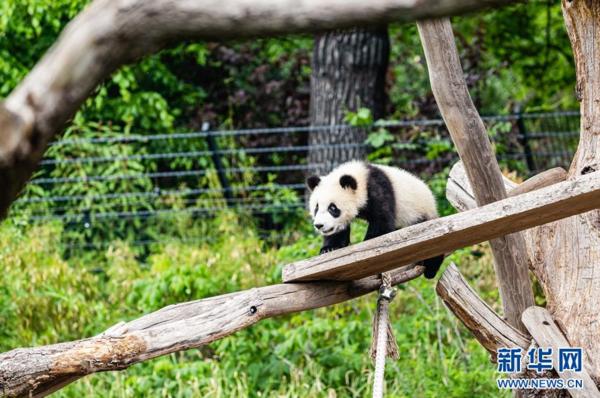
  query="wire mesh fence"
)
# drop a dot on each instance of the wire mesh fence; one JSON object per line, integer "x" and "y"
{"x": 108, "y": 187}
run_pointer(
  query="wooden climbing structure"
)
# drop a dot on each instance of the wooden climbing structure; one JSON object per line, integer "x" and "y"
{"x": 549, "y": 224}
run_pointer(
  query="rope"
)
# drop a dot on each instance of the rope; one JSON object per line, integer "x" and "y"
{"x": 383, "y": 343}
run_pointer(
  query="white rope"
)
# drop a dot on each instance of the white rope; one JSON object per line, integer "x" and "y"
{"x": 385, "y": 342}
{"x": 378, "y": 379}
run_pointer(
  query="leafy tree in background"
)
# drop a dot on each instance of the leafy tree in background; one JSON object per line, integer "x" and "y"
{"x": 519, "y": 56}
{"x": 514, "y": 56}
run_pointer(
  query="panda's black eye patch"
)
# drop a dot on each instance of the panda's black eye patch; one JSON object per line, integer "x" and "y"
{"x": 316, "y": 209}
{"x": 334, "y": 211}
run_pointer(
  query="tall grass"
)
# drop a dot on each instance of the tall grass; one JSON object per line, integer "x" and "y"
{"x": 322, "y": 353}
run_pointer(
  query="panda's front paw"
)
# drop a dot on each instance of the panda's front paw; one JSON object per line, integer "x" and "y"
{"x": 326, "y": 250}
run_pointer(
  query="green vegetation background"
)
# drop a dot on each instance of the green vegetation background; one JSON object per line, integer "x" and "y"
{"x": 518, "y": 56}
{"x": 322, "y": 353}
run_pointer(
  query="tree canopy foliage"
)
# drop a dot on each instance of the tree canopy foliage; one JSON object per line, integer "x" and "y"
{"x": 514, "y": 57}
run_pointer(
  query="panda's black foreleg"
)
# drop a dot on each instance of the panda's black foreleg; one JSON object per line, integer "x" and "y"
{"x": 336, "y": 241}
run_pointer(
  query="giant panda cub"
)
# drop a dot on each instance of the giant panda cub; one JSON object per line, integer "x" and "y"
{"x": 388, "y": 198}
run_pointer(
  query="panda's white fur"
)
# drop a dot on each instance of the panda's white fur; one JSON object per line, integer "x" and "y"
{"x": 413, "y": 197}
{"x": 387, "y": 197}
{"x": 329, "y": 191}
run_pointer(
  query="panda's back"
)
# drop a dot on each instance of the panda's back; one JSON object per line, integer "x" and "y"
{"x": 414, "y": 200}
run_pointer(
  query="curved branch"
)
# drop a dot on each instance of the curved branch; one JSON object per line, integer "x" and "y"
{"x": 40, "y": 371}
{"x": 110, "y": 33}
{"x": 489, "y": 328}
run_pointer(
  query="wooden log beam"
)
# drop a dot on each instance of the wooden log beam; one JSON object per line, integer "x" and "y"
{"x": 566, "y": 285}
{"x": 40, "y": 371}
{"x": 541, "y": 180}
{"x": 446, "y": 234}
{"x": 546, "y": 334}
{"x": 485, "y": 324}
{"x": 460, "y": 194}
{"x": 110, "y": 33}
{"x": 475, "y": 150}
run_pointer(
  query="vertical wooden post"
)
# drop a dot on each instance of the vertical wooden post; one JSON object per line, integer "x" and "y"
{"x": 473, "y": 145}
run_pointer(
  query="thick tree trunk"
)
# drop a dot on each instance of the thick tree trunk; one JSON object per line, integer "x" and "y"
{"x": 582, "y": 20}
{"x": 348, "y": 73}
{"x": 566, "y": 254}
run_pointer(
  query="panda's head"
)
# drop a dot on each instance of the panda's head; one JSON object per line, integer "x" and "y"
{"x": 336, "y": 199}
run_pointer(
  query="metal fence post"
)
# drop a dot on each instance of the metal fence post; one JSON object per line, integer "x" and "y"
{"x": 525, "y": 142}
{"x": 214, "y": 153}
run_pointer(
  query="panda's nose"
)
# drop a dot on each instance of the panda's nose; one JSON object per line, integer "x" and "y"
{"x": 318, "y": 226}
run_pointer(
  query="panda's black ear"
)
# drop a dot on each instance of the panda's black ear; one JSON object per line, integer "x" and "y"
{"x": 347, "y": 181}
{"x": 312, "y": 182}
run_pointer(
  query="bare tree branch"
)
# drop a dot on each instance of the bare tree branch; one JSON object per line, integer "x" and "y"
{"x": 42, "y": 370}
{"x": 489, "y": 328}
{"x": 110, "y": 33}
{"x": 473, "y": 145}
{"x": 541, "y": 180}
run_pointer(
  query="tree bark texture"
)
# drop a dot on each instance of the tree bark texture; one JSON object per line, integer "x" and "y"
{"x": 546, "y": 333}
{"x": 39, "y": 371}
{"x": 348, "y": 72}
{"x": 566, "y": 254}
{"x": 473, "y": 145}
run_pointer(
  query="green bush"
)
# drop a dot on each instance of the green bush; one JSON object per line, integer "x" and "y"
{"x": 323, "y": 353}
